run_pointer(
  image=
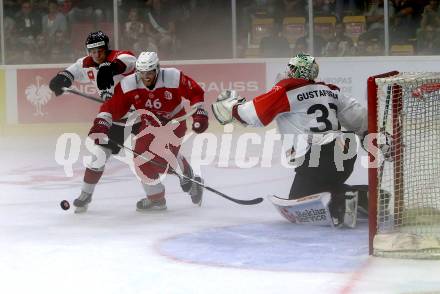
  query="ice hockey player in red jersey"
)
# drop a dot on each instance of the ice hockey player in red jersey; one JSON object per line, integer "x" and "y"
{"x": 312, "y": 113}
{"x": 156, "y": 94}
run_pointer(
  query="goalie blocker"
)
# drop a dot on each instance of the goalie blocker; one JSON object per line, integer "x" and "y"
{"x": 314, "y": 210}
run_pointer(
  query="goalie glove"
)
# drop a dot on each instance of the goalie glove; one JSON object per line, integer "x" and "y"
{"x": 224, "y": 106}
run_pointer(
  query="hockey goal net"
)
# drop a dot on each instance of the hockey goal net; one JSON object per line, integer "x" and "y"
{"x": 404, "y": 188}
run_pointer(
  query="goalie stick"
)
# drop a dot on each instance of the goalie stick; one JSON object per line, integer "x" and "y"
{"x": 238, "y": 201}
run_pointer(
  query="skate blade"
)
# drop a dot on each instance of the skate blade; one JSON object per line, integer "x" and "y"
{"x": 152, "y": 210}
{"x": 81, "y": 209}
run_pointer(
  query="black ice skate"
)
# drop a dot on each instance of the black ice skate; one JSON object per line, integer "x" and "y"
{"x": 196, "y": 191}
{"x": 185, "y": 183}
{"x": 82, "y": 202}
{"x": 146, "y": 205}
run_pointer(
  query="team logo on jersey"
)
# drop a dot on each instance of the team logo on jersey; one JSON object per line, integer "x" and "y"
{"x": 277, "y": 88}
{"x": 91, "y": 75}
{"x": 136, "y": 97}
{"x": 38, "y": 95}
{"x": 168, "y": 95}
{"x": 150, "y": 95}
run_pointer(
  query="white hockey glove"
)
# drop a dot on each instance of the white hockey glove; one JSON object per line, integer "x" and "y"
{"x": 222, "y": 108}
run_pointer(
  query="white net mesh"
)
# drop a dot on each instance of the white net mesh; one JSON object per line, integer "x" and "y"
{"x": 408, "y": 218}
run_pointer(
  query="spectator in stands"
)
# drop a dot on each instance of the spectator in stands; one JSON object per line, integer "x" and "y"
{"x": 11, "y": 42}
{"x": 375, "y": 15}
{"x": 340, "y": 44}
{"x": 161, "y": 16}
{"x": 406, "y": 21}
{"x": 11, "y": 7}
{"x": 42, "y": 49}
{"x": 302, "y": 44}
{"x": 349, "y": 7}
{"x": 275, "y": 44}
{"x": 428, "y": 41}
{"x": 28, "y": 23}
{"x": 133, "y": 29}
{"x": 81, "y": 12}
{"x": 102, "y": 11}
{"x": 66, "y": 7}
{"x": 265, "y": 9}
{"x": 61, "y": 51}
{"x": 53, "y": 21}
{"x": 369, "y": 46}
{"x": 295, "y": 8}
{"x": 324, "y": 7}
{"x": 431, "y": 15}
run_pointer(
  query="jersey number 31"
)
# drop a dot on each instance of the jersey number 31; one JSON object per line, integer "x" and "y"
{"x": 329, "y": 122}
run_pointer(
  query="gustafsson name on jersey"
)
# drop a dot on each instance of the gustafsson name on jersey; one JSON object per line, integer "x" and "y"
{"x": 316, "y": 94}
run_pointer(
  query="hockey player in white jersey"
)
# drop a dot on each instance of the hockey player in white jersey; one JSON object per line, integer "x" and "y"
{"x": 312, "y": 113}
{"x": 103, "y": 68}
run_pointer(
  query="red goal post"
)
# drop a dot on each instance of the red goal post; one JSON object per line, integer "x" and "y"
{"x": 404, "y": 190}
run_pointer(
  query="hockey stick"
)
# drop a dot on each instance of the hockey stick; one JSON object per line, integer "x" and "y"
{"x": 238, "y": 201}
{"x": 90, "y": 97}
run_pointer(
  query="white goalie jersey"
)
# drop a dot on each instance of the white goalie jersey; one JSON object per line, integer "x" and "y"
{"x": 310, "y": 112}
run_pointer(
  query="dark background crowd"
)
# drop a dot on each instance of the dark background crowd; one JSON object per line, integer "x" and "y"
{"x": 53, "y": 31}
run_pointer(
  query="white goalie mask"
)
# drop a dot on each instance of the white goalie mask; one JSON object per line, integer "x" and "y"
{"x": 147, "y": 61}
{"x": 303, "y": 66}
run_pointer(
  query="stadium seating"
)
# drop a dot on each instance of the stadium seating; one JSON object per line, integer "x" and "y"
{"x": 325, "y": 26}
{"x": 402, "y": 50}
{"x": 294, "y": 28}
{"x": 261, "y": 27}
{"x": 355, "y": 25}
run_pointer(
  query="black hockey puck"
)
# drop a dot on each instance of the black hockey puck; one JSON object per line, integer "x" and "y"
{"x": 65, "y": 205}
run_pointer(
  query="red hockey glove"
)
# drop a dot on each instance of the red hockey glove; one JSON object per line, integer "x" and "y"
{"x": 100, "y": 127}
{"x": 200, "y": 121}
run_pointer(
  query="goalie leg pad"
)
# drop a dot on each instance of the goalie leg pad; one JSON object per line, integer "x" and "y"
{"x": 312, "y": 210}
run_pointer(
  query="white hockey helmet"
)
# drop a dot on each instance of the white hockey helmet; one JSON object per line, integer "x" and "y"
{"x": 147, "y": 61}
{"x": 303, "y": 66}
